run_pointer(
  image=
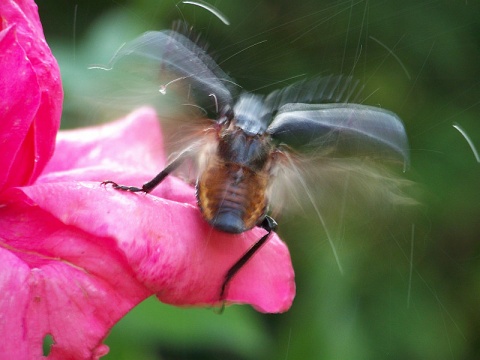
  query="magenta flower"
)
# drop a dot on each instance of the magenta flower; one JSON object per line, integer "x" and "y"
{"x": 30, "y": 95}
{"x": 76, "y": 256}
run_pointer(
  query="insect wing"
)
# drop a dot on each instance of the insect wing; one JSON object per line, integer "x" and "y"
{"x": 319, "y": 90}
{"x": 324, "y": 185}
{"x": 170, "y": 58}
{"x": 344, "y": 129}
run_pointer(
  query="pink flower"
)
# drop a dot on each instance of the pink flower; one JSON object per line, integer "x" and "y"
{"x": 30, "y": 95}
{"x": 76, "y": 256}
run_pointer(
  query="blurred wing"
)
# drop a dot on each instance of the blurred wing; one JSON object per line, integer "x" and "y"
{"x": 171, "y": 59}
{"x": 327, "y": 161}
{"x": 327, "y": 89}
{"x": 334, "y": 187}
{"x": 341, "y": 130}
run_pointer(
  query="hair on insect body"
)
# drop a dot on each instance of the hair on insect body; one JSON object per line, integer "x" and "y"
{"x": 253, "y": 141}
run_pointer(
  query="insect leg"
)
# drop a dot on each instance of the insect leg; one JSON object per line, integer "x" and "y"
{"x": 152, "y": 184}
{"x": 269, "y": 224}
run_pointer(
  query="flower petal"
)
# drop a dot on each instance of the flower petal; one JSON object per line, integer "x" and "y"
{"x": 58, "y": 280}
{"x": 133, "y": 142}
{"x": 128, "y": 151}
{"x": 170, "y": 248}
{"x": 72, "y": 248}
{"x": 19, "y": 101}
{"x": 30, "y": 94}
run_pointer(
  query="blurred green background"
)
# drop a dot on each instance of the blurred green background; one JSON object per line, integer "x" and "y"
{"x": 411, "y": 282}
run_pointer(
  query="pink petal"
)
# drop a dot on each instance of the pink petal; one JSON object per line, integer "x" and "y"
{"x": 16, "y": 138}
{"x": 58, "y": 280}
{"x": 170, "y": 248}
{"x": 70, "y": 250}
{"x": 72, "y": 247}
{"x": 30, "y": 94}
{"x": 134, "y": 141}
{"x": 129, "y": 151}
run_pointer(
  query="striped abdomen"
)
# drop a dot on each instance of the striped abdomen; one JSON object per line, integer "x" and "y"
{"x": 231, "y": 196}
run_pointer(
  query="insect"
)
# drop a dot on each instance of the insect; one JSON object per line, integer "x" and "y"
{"x": 251, "y": 138}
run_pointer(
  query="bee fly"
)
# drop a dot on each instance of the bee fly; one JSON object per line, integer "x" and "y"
{"x": 252, "y": 136}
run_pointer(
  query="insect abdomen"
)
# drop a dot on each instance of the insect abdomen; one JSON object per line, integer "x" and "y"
{"x": 231, "y": 196}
